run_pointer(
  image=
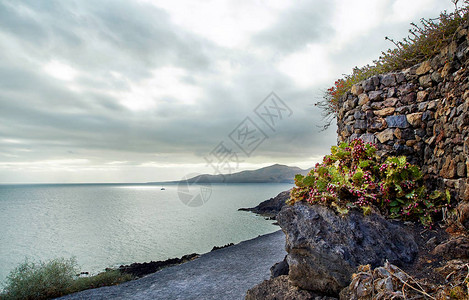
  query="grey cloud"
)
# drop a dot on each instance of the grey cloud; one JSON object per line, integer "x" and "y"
{"x": 97, "y": 37}
{"x": 103, "y": 36}
{"x": 306, "y": 22}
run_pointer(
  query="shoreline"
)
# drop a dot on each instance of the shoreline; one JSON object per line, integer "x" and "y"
{"x": 210, "y": 276}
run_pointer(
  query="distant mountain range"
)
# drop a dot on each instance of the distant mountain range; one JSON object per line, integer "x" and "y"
{"x": 271, "y": 174}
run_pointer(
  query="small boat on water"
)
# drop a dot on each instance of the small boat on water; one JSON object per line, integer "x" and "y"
{"x": 163, "y": 189}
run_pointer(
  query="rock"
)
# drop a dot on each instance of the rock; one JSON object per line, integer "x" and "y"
{"x": 359, "y": 124}
{"x": 280, "y": 288}
{"x": 454, "y": 248}
{"x": 392, "y": 91}
{"x": 422, "y": 106}
{"x": 215, "y": 248}
{"x": 461, "y": 169}
{"x": 447, "y": 69}
{"x": 422, "y": 96}
{"x": 415, "y": 119}
{"x": 363, "y": 99}
{"x": 436, "y": 77}
{"x": 350, "y": 104}
{"x": 376, "y": 124}
{"x": 142, "y": 269}
{"x": 368, "y": 85}
{"x": 375, "y": 95}
{"x": 402, "y": 149}
{"x": 358, "y": 115}
{"x": 449, "y": 168}
{"x": 271, "y": 207}
{"x": 426, "y": 81}
{"x": 388, "y": 80}
{"x": 368, "y": 138}
{"x": 409, "y": 98}
{"x": 397, "y": 121}
{"x": 279, "y": 269}
{"x": 385, "y": 135}
{"x": 325, "y": 248}
{"x": 427, "y": 116}
{"x": 432, "y": 104}
{"x": 385, "y": 111}
{"x": 424, "y": 68}
{"x": 400, "y": 77}
{"x": 390, "y": 102}
{"x": 356, "y": 90}
{"x": 465, "y": 194}
{"x": 377, "y": 105}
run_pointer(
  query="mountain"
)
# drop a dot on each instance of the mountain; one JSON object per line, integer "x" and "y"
{"x": 272, "y": 174}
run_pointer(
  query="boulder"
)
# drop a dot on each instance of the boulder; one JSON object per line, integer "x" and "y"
{"x": 279, "y": 269}
{"x": 325, "y": 248}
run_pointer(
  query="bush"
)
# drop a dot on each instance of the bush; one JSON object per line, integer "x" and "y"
{"x": 108, "y": 278}
{"x": 43, "y": 280}
{"x": 352, "y": 177}
{"x": 46, "y": 280}
{"x": 424, "y": 42}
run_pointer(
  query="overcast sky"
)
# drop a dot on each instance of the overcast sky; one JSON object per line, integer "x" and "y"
{"x": 137, "y": 91}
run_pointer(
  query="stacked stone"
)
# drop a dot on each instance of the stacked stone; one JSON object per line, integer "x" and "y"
{"x": 421, "y": 112}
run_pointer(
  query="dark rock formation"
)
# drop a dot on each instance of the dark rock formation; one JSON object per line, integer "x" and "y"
{"x": 215, "y": 248}
{"x": 271, "y": 207}
{"x": 324, "y": 248}
{"x": 280, "y": 268}
{"x": 280, "y": 288}
{"x": 142, "y": 269}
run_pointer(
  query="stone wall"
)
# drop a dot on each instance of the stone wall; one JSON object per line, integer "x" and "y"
{"x": 421, "y": 112}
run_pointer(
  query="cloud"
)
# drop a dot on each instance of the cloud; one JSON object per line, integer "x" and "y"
{"x": 85, "y": 84}
{"x": 302, "y": 24}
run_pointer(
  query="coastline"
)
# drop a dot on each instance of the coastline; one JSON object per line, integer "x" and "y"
{"x": 226, "y": 273}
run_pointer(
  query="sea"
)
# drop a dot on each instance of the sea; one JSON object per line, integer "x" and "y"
{"x": 107, "y": 225}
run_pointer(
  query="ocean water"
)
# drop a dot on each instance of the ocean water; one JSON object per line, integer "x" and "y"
{"x": 109, "y": 225}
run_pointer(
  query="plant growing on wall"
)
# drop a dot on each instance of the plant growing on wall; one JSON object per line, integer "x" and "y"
{"x": 352, "y": 177}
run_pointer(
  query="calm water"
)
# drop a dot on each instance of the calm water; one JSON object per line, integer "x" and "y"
{"x": 109, "y": 225}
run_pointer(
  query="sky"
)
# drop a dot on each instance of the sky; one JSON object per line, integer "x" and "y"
{"x": 137, "y": 91}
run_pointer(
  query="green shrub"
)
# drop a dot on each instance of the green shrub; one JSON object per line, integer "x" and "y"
{"x": 108, "y": 278}
{"x": 46, "y": 280}
{"x": 43, "y": 280}
{"x": 424, "y": 42}
{"x": 352, "y": 177}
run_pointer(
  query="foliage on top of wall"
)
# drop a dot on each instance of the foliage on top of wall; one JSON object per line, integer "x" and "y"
{"x": 425, "y": 41}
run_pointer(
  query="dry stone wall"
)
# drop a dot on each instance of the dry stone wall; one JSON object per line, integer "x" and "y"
{"x": 421, "y": 112}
